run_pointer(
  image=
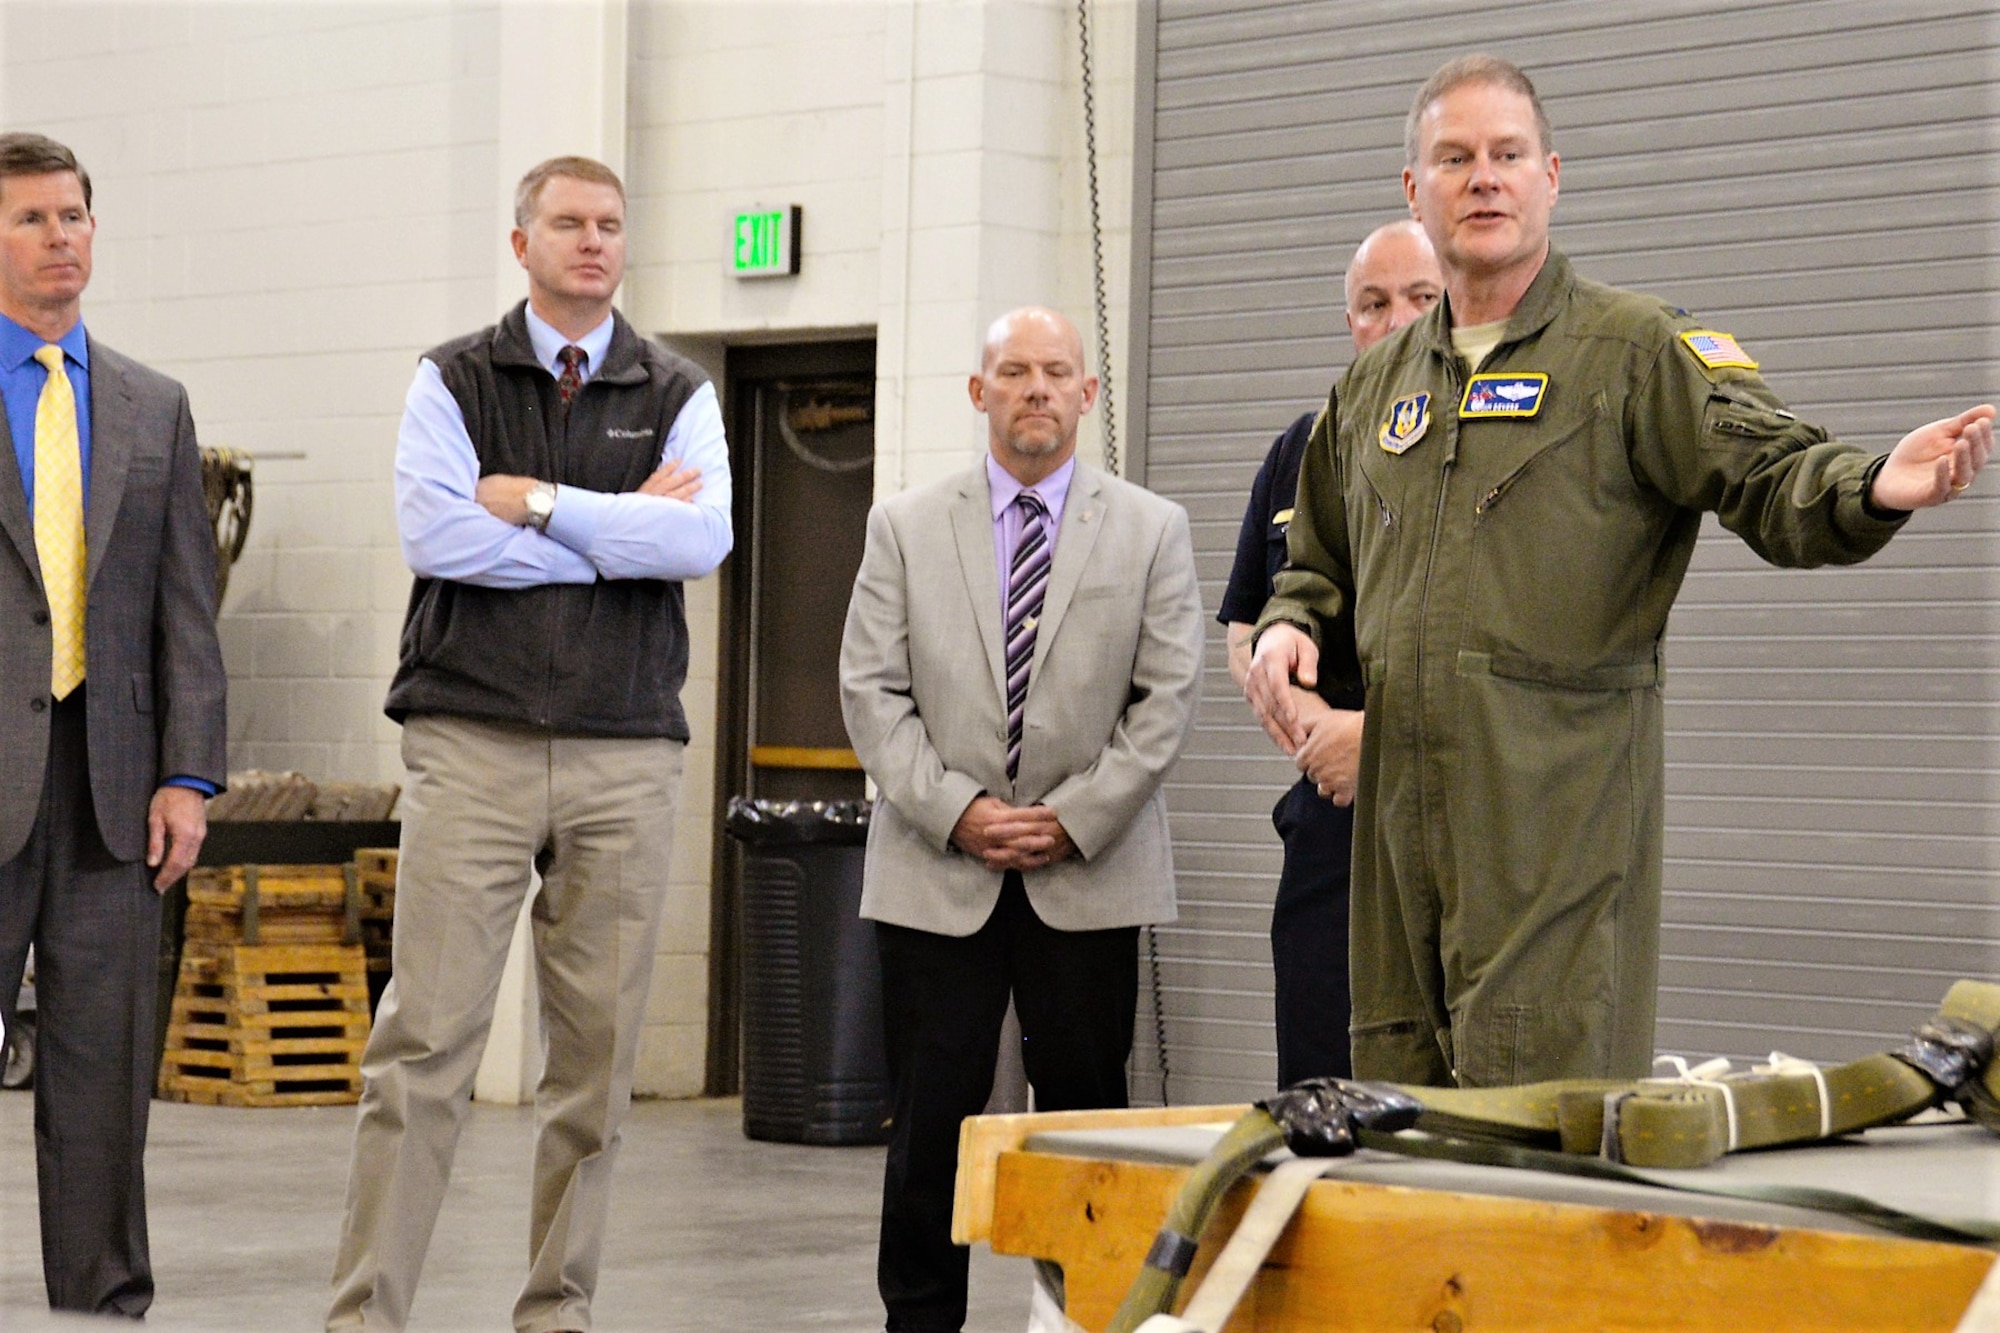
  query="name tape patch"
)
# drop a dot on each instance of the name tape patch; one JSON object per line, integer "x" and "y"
{"x": 1716, "y": 350}
{"x": 1517, "y": 395}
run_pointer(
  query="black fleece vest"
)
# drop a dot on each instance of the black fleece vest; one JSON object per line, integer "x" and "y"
{"x": 595, "y": 659}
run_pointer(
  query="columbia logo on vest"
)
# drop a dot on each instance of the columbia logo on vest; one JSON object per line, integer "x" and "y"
{"x": 617, "y": 433}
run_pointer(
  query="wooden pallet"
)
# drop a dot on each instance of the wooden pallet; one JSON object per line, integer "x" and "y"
{"x": 277, "y": 904}
{"x": 377, "y": 862}
{"x": 267, "y": 1025}
{"x": 375, "y": 873}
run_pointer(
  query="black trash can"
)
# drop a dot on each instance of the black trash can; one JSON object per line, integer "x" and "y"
{"x": 813, "y": 1068}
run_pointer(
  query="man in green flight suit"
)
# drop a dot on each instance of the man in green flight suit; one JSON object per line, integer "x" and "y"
{"x": 1501, "y": 510}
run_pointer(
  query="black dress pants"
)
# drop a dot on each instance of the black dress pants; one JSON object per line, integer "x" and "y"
{"x": 943, "y": 1001}
{"x": 1309, "y": 936}
{"x": 94, "y": 922}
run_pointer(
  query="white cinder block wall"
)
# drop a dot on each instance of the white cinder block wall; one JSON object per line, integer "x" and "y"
{"x": 292, "y": 201}
{"x": 295, "y": 200}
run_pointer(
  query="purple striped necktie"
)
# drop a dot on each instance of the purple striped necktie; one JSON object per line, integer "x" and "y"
{"x": 1027, "y": 581}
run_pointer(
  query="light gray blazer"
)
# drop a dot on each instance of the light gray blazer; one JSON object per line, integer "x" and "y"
{"x": 1111, "y": 700}
{"x": 153, "y": 667}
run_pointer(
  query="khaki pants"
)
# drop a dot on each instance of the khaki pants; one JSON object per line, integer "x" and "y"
{"x": 484, "y": 803}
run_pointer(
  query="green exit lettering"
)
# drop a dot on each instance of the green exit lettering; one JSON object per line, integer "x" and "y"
{"x": 757, "y": 241}
{"x": 764, "y": 241}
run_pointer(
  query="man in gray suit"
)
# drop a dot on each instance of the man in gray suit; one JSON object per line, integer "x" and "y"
{"x": 112, "y": 729}
{"x": 1020, "y": 666}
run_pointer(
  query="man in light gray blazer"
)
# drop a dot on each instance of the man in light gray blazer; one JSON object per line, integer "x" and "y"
{"x": 111, "y": 724}
{"x": 1020, "y": 666}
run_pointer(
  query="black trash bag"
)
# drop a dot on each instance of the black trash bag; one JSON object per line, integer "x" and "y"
{"x": 790, "y": 823}
{"x": 1321, "y": 1116}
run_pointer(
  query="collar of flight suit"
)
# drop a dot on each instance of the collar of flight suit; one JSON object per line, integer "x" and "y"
{"x": 1538, "y": 307}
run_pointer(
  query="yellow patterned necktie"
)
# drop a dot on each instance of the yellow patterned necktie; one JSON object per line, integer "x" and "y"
{"x": 59, "y": 519}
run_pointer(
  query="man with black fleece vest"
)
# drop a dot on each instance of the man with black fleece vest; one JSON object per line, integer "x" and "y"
{"x": 557, "y": 476}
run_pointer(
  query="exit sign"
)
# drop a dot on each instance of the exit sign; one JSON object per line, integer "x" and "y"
{"x": 764, "y": 242}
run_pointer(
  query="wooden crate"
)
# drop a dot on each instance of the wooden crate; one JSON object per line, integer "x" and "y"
{"x": 274, "y": 904}
{"x": 267, "y": 1025}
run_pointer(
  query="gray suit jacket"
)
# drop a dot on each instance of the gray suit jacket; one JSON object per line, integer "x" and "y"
{"x": 153, "y": 667}
{"x": 1111, "y": 700}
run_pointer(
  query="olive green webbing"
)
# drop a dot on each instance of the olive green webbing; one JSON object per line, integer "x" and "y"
{"x": 1978, "y": 1003}
{"x": 1487, "y": 1153}
{"x": 1685, "y": 1122}
{"x": 1251, "y": 1139}
{"x": 1682, "y": 1123}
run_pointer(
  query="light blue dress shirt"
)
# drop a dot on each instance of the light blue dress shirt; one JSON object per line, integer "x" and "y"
{"x": 447, "y": 534}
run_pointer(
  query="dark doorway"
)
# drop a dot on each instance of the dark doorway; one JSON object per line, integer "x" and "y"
{"x": 802, "y": 455}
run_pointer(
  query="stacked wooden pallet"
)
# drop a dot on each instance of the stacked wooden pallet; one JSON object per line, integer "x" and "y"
{"x": 271, "y": 1005}
{"x": 376, "y": 868}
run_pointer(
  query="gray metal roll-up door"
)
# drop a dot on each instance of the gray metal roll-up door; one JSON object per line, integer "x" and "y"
{"x": 1818, "y": 177}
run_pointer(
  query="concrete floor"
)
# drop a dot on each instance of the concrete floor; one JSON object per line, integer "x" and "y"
{"x": 709, "y": 1230}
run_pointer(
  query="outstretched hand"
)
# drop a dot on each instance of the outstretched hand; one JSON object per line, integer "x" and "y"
{"x": 1935, "y": 462}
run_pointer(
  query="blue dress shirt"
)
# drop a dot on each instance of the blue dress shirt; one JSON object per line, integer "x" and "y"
{"x": 21, "y": 381}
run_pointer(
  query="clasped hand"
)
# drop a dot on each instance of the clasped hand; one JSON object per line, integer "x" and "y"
{"x": 1324, "y": 742}
{"x": 1011, "y": 837}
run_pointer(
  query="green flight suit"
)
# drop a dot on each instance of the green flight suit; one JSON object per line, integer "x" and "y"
{"x": 1506, "y": 582}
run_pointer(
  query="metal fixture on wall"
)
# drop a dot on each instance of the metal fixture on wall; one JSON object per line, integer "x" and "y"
{"x": 225, "y": 484}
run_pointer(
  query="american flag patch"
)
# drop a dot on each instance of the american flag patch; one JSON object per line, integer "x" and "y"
{"x": 1716, "y": 350}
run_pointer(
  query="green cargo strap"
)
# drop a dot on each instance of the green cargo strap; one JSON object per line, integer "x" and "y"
{"x": 1896, "y": 1220}
{"x": 1978, "y": 1003}
{"x": 1705, "y": 1112}
{"x": 1247, "y": 1142}
{"x": 1278, "y": 1199}
{"x": 1690, "y": 1120}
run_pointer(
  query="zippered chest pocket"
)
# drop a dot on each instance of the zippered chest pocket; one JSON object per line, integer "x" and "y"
{"x": 1564, "y": 455}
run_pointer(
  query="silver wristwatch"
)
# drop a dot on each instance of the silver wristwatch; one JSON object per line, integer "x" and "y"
{"x": 541, "y": 503}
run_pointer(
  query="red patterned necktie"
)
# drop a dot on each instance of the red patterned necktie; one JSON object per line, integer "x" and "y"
{"x": 571, "y": 379}
{"x": 1027, "y": 581}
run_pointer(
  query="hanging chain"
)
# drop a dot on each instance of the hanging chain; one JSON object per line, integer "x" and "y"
{"x": 1109, "y": 416}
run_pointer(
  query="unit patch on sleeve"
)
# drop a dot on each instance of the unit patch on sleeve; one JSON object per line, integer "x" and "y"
{"x": 1716, "y": 350}
{"x": 1518, "y": 395}
{"x": 1409, "y": 418}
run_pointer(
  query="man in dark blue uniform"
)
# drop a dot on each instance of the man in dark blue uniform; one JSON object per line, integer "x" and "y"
{"x": 1392, "y": 279}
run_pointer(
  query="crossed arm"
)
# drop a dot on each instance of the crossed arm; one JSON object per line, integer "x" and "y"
{"x": 457, "y": 525}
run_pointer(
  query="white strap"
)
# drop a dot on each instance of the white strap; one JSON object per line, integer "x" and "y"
{"x": 1263, "y": 1222}
{"x": 1704, "y": 1075}
{"x": 1983, "y": 1315}
{"x": 1783, "y": 1065}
